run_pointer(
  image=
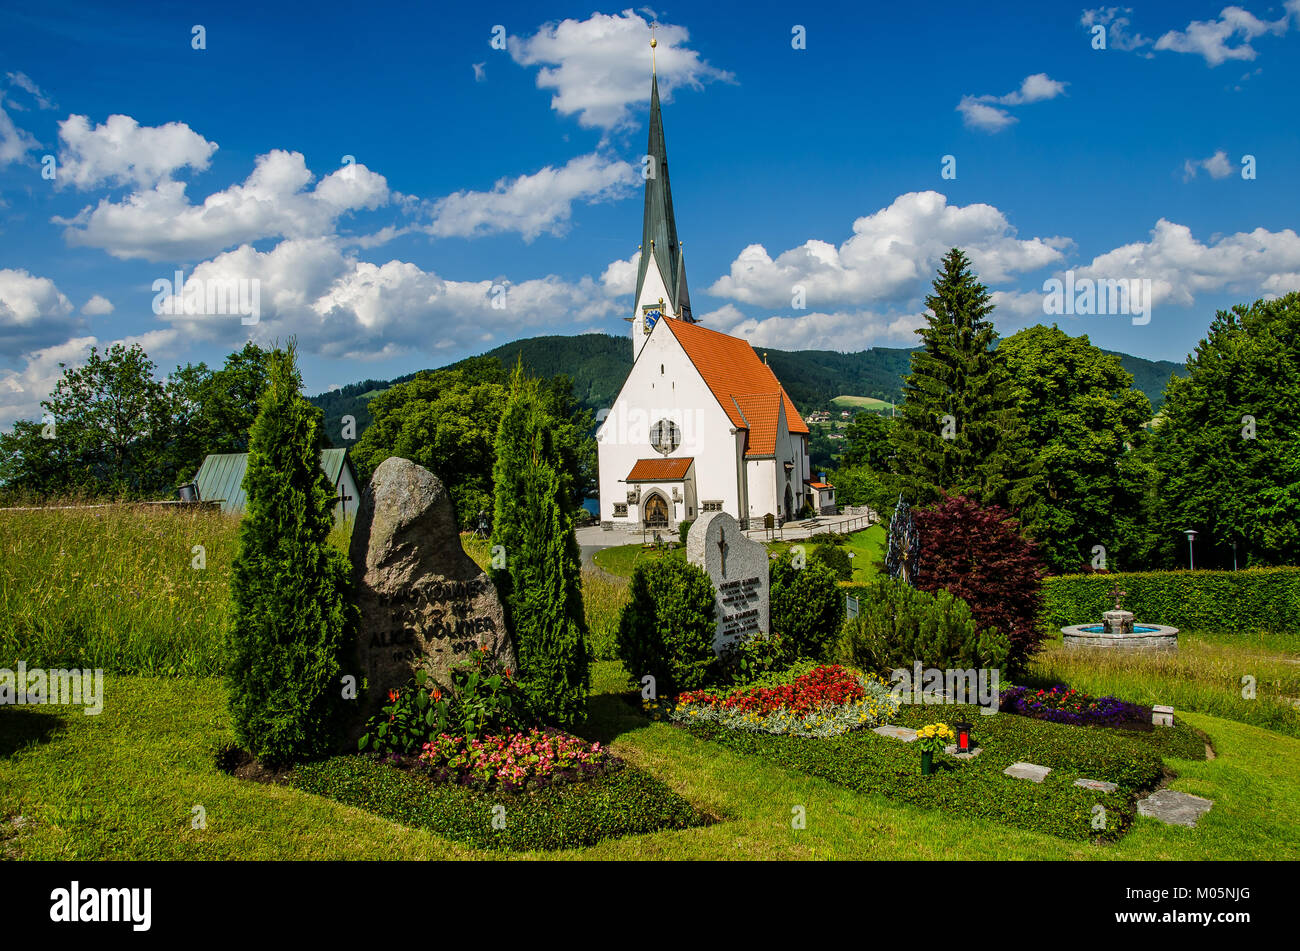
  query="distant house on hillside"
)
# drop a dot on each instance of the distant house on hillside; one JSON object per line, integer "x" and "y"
{"x": 221, "y": 479}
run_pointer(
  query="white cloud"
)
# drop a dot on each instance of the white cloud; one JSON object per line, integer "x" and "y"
{"x": 15, "y": 143}
{"x": 160, "y": 223}
{"x": 1210, "y": 39}
{"x": 984, "y": 112}
{"x": 532, "y": 204}
{"x": 339, "y": 306}
{"x": 1181, "y": 267}
{"x": 1116, "y": 21}
{"x": 599, "y": 67}
{"x": 33, "y": 311}
{"x": 620, "y": 277}
{"x": 24, "y": 82}
{"x": 846, "y": 331}
{"x": 97, "y": 306}
{"x": 121, "y": 151}
{"x": 891, "y": 256}
{"x": 986, "y": 118}
{"x": 1217, "y": 165}
{"x": 21, "y": 391}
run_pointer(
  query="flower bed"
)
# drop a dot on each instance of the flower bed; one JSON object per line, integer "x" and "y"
{"x": 825, "y": 701}
{"x": 1061, "y": 704}
{"x": 623, "y": 801}
{"x": 513, "y": 761}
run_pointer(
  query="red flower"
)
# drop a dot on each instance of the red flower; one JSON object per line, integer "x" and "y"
{"x": 392, "y": 696}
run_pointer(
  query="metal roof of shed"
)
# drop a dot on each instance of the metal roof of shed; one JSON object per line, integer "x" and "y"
{"x": 221, "y": 477}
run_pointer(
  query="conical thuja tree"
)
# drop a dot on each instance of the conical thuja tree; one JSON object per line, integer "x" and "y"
{"x": 540, "y": 581}
{"x": 960, "y": 430}
{"x": 292, "y": 627}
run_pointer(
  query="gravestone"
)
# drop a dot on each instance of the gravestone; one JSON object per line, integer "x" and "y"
{"x": 425, "y": 604}
{"x": 1027, "y": 771}
{"x": 737, "y": 567}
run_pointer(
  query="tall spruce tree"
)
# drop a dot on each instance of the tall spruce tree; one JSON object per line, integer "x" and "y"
{"x": 540, "y": 584}
{"x": 292, "y": 626}
{"x": 960, "y": 431}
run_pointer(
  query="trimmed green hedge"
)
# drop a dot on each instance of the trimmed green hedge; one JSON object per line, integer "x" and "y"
{"x": 623, "y": 802}
{"x": 868, "y": 763}
{"x": 1258, "y": 599}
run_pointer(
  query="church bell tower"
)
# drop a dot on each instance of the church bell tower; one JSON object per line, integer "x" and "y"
{"x": 661, "y": 277}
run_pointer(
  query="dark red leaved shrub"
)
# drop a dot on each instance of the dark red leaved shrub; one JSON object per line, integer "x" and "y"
{"x": 978, "y": 554}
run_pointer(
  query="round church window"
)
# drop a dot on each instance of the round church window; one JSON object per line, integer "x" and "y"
{"x": 665, "y": 436}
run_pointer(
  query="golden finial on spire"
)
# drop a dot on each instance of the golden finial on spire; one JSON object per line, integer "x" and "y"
{"x": 653, "y": 44}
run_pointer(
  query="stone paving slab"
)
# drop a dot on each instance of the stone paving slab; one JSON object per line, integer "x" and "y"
{"x": 1096, "y": 784}
{"x": 1027, "y": 771}
{"x": 1174, "y": 808}
{"x": 897, "y": 732}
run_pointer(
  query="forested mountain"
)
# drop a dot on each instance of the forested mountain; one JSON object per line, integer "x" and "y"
{"x": 598, "y": 364}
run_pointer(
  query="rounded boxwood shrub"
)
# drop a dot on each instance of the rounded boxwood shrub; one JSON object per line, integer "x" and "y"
{"x": 836, "y": 559}
{"x": 667, "y": 626}
{"x": 807, "y": 608}
{"x": 898, "y": 625}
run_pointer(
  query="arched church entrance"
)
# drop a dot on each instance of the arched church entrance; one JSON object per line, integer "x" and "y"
{"x": 656, "y": 511}
{"x": 789, "y": 503}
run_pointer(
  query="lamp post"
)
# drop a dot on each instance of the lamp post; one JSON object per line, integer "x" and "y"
{"x": 1191, "y": 534}
{"x": 963, "y": 736}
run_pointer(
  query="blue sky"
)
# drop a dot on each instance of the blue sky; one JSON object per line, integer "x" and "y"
{"x": 495, "y": 193}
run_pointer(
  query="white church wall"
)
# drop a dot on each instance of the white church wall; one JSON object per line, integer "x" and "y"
{"x": 761, "y": 477}
{"x": 663, "y": 383}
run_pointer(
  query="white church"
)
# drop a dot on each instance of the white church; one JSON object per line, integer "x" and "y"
{"x": 701, "y": 424}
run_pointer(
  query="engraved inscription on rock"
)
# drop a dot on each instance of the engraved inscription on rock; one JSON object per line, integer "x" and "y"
{"x": 738, "y": 569}
{"x": 424, "y": 603}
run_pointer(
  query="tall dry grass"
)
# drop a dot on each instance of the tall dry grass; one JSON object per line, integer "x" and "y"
{"x": 116, "y": 587}
{"x": 1210, "y": 673}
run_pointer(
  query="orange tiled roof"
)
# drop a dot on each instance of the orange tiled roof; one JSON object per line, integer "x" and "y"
{"x": 660, "y": 470}
{"x": 761, "y": 412}
{"x": 821, "y": 485}
{"x": 732, "y": 370}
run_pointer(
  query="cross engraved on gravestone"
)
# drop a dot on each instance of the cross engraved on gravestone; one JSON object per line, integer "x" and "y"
{"x": 737, "y": 569}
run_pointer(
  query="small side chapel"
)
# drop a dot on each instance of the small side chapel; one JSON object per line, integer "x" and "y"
{"x": 701, "y": 423}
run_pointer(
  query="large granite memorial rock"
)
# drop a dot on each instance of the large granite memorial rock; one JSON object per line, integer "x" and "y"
{"x": 424, "y": 603}
{"x": 738, "y": 568}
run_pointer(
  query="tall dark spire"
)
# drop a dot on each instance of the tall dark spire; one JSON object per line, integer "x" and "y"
{"x": 659, "y": 227}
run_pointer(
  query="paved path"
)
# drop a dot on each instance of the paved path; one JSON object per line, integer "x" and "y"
{"x": 591, "y": 539}
{"x": 798, "y": 531}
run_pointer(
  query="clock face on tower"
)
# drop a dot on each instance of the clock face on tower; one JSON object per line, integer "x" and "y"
{"x": 651, "y": 317}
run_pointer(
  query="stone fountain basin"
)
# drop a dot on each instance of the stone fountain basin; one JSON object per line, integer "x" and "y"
{"x": 1143, "y": 637}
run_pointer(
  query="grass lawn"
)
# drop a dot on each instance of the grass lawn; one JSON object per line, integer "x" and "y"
{"x": 124, "y": 784}
{"x": 1205, "y": 675}
{"x": 621, "y": 559}
{"x": 867, "y": 547}
{"x": 862, "y": 402}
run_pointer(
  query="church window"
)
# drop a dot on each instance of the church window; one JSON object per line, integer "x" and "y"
{"x": 665, "y": 436}
{"x": 712, "y": 506}
{"x": 620, "y": 510}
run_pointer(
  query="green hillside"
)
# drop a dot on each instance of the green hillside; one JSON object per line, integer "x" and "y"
{"x": 598, "y": 364}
